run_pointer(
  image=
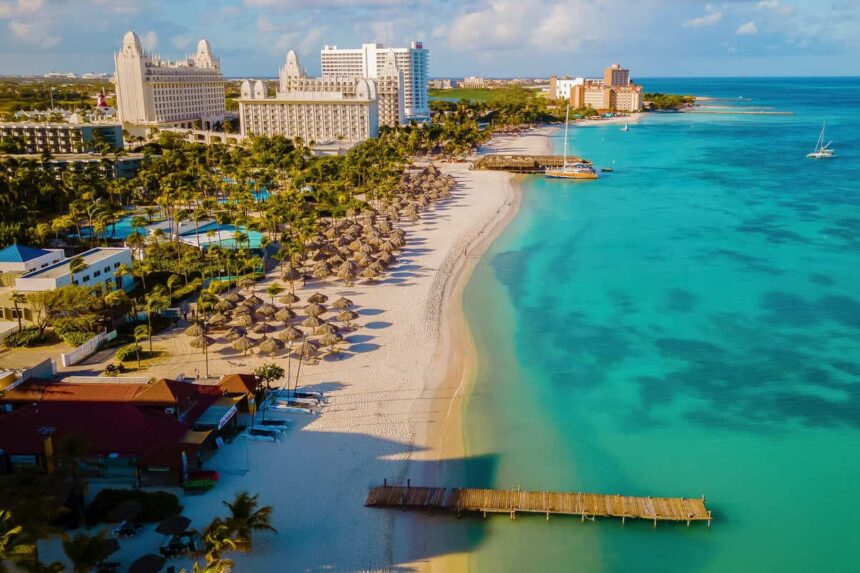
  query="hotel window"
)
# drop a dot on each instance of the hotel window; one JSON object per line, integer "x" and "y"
{"x": 85, "y": 278}
{"x": 97, "y": 274}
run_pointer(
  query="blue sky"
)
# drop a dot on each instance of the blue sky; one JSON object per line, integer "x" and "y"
{"x": 500, "y": 38}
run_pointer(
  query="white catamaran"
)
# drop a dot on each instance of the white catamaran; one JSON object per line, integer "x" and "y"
{"x": 577, "y": 170}
{"x": 822, "y": 150}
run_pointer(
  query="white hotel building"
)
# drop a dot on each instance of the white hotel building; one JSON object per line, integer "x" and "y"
{"x": 151, "y": 91}
{"x": 369, "y": 62}
{"x": 320, "y": 110}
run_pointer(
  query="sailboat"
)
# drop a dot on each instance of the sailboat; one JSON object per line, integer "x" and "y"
{"x": 625, "y": 128}
{"x": 576, "y": 170}
{"x": 822, "y": 150}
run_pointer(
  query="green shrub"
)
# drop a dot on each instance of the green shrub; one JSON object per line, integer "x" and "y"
{"x": 129, "y": 352}
{"x": 24, "y": 338}
{"x": 157, "y": 505}
{"x": 75, "y": 338}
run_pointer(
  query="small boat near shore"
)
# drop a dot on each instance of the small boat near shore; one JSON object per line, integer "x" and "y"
{"x": 822, "y": 150}
{"x": 578, "y": 170}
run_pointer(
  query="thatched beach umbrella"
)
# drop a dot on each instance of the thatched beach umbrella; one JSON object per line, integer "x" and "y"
{"x": 150, "y": 563}
{"x": 321, "y": 270}
{"x": 218, "y": 319}
{"x": 313, "y": 322}
{"x": 291, "y": 274}
{"x": 244, "y": 320}
{"x": 243, "y": 343}
{"x": 289, "y": 299}
{"x": 347, "y": 317}
{"x": 193, "y": 330}
{"x": 235, "y": 333}
{"x": 242, "y": 309}
{"x": 247, "y": 283}
{"x": 269, "y": 346}
{"x": 315, "y": 309}
{"x": 224, "y": 305}
{"x": 331, "y": 340}
{"x": 370, "y": 273}
{"x": 308, "y": 350}
{"x": 234, "y": 297}
{"x": 284, "y": 314}
{"x": 327, "y": 328}
{"x": 266, "y": 310}
{"x": 253, "y": 300}
{"x": 291, "y": 334}
{"x": 262, "y": 328}
{"x": 201, "y": 341}
{"x": 318, "y": 298}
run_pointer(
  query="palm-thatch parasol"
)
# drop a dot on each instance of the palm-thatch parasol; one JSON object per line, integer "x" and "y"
{"x": 150, "y": 563}
{"x": 315, "y": 309}
{"x": 308, "y": 349}
{"x": 347, "y": 317}
{"x": 253, "y": 300}
{"x": 244, "y": 320}
{"x": 234, "y": 297}
{"x": 266, "y": 310}
{"x": 362, "y": 259}
{"x": 269, "y": 346}
{"x": 262, "y": 328}
{"x": 289, "y": 299}
{"x": 243, "y": 309}
{"x": 284, "y": 314}
{"x": 291, "y": 274}
{"x": 313, "y": 322}
{"x": 318, "y": 298}
{"x": 291, "y": 334}
{"x": 193, "y": 330}
{"x": 243, "y": 343}
{"x": 321, "y": 270}
{"x": 331, "y": 340}
{"x": 386, "y": 259}
{"x": 326, "y": 328}
{"x": 224, "y": 305}
{"x": 201, "y": 341}
{"x": 218, "y": 319}
{"x": 342, "y": 303}
{"x": 174, "y": 525}
{"x": 370, "y": 273}
{"x": 235, "y": 333}
{"x": 247, "y": 283}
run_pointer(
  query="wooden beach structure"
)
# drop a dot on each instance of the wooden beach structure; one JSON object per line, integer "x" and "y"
{"x": 513, "y": 501}
{"x": 522, "y": 163}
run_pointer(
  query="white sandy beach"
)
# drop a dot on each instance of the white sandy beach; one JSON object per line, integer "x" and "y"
{"x": 390, "y": 404}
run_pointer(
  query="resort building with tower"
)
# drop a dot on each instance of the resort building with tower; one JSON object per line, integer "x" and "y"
{"x": 372, "y": 60}
{"x": 331, "y": 108}
{"x": 614, "y": 92}
{"x": 151, "y": 91}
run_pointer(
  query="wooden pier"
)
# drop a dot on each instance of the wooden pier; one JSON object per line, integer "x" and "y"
{"x": 585, "y": 505}
{"x": 523, "y": 163}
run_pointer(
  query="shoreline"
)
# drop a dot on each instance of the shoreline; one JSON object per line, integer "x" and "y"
{"x": 455, "y": 360}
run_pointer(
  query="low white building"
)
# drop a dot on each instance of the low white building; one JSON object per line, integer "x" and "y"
{"x": 22, "y": 259}
{"x": 101, "y": 264}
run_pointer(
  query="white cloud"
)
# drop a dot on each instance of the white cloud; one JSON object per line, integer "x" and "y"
{"x": 748, "y": 29}
{"x": 712, "y": 17}
{"x": 149, "y": 40}
{"x": 181, "y": 41}
{"x": 14, "y": 9}
{"x": 497, "y": 25}
{"x": 30, "y": 34}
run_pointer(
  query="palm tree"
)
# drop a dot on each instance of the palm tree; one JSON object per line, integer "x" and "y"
{"x": 274, "y": 290}
{"x": 155, "y": 302}
{"x": 15, "y": 548}
{"x": 86, "y": 551}
{"x": 217, "y": 537}
{"x": 245, "y": 518}
{"x": 141, "y": 331}
{"x": 77, "y": 265}
{"x": 18, "y": 298}
{"x": 172, "y": 283}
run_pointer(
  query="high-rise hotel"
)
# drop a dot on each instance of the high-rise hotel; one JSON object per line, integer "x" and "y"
{"x": 151, "y": 91}
{"x": 369, "y": 61}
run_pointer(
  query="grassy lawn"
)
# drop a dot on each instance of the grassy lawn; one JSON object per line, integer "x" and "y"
{"x": 159, "y": 355}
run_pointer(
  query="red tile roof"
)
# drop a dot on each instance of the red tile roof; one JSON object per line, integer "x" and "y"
{"x": 107, "y": 428}
{"x": 238, "y": 383}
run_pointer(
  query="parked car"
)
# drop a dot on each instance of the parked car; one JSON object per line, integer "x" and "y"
{"x": 261, "y": 434}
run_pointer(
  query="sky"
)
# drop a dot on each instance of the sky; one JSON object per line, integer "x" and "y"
{"x": 492, "y": 38}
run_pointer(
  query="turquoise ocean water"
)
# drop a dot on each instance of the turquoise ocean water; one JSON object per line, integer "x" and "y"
{"x": 686, "y": 325}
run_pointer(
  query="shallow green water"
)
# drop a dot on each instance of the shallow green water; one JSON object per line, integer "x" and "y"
{"x": 687, "y": 325}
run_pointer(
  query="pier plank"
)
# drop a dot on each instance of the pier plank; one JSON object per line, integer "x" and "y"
{"x": 546, "y": 502}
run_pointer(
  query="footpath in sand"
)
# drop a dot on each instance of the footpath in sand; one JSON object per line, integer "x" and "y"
{"x": 389, "y": 396}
